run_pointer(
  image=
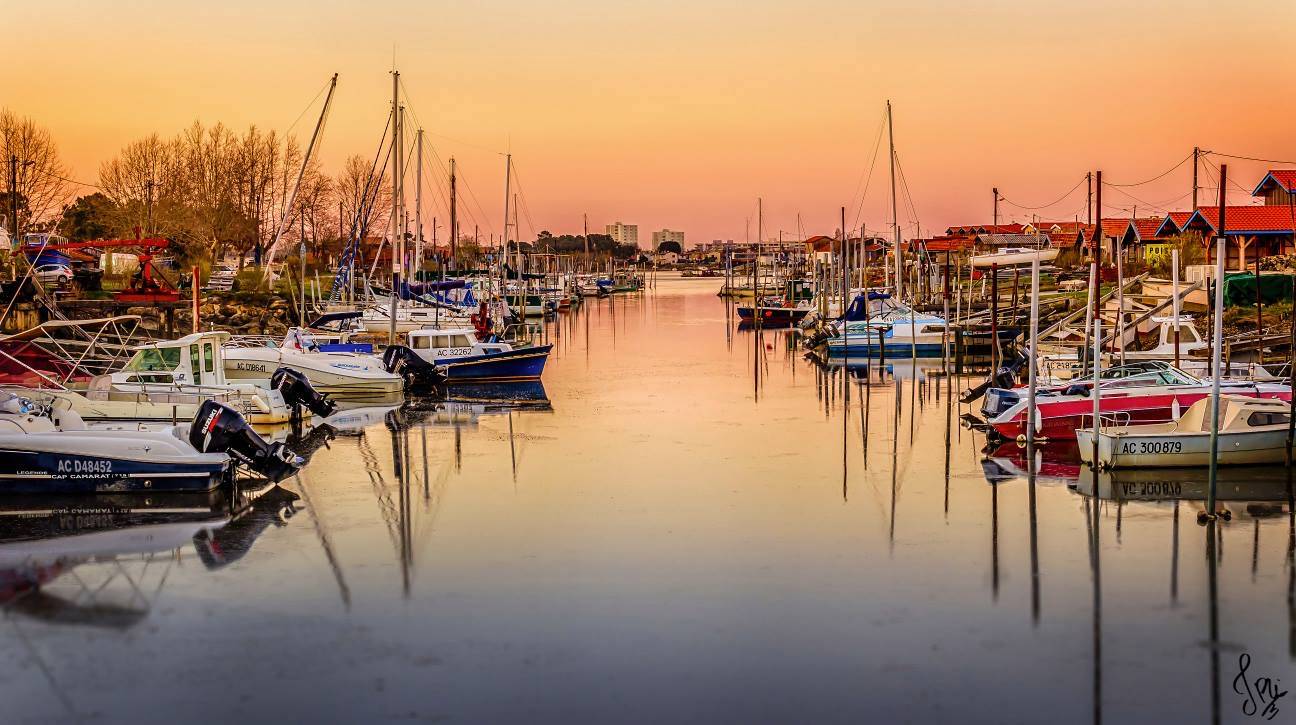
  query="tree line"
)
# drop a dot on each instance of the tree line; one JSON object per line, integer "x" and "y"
{"x": 213, "y": 190}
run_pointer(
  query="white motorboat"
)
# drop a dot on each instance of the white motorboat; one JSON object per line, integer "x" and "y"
{"x": 1251, "y": 430}
{"x": 1014, "y": 256}
{"x": 254, "y": 359}
{"x": 167, "y": 381}
{"x": 890, "y": 329}
{"x": 43, "y": 450}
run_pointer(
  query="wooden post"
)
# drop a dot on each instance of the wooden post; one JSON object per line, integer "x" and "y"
{"x": 994, "y": 317}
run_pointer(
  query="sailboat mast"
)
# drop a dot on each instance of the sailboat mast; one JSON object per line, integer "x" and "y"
{"x": 418, "y": 210}
{"x": 508, "y": 192}
{"x": 454, "y": 218}
{"x": 397, "y": 244}
{"x": 895, "y": 218}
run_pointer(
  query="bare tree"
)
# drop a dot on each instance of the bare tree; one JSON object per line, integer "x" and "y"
{"x": 146, "y": 185}
{"x": 365, "y": 196}
{"x": 42, "y": 187}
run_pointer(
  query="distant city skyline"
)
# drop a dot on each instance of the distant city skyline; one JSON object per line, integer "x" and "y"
{"x": 690, "y": 138}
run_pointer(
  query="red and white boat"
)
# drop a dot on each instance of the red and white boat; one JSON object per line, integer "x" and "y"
{"x": 1157, "y": 395}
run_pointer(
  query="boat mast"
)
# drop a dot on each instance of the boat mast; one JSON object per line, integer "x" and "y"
{"x": 418, "y": 210}
{"x": 292, "y": 198}
{"x": 895, "y": 219}
{"x": 396, "y": 244}
{"x": 454, "y": 218}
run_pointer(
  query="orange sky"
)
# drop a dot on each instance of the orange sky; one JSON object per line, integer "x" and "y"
{"x": 681, "y": 113}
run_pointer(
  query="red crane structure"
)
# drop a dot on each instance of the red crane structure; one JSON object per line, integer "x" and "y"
{"x": 145, "y": 286}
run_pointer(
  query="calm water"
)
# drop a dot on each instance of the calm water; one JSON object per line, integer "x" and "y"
{"x": 697, "y": 525}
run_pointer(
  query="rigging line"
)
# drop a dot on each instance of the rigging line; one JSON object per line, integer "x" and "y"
{"x": 439, "y": 135}
{"x": 1159, "y": 176}
{"x": 877, "y": 145}
{"x": 526, "y": 208}
{"x": 1055, "y": 202}
{"x": 307, "y": 108}
{"x": 904, "y": 186}
{"x": 485, "y": 218}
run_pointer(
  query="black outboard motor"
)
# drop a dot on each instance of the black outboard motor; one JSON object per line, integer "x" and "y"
{"x": 417, "y": 372}
{"x": 218, "y": 428}
{"x": 1004, "y": 377}
{"x": 297, "y": 391}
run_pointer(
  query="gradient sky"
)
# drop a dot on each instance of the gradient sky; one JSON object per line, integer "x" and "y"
{"x": 680, "y": 114}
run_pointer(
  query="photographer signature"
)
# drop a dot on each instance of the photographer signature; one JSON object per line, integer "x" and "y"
{"x": 1260, "y": 695}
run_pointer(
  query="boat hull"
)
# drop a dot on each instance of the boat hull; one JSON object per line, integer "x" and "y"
{"x": 334, "y": 374}
{"x": 770, "y": 316}
{"x": 1121, "y": 449}
{"x": 526, "y": 363}
{"x": 35, "y": 471}
{"x": 1059, "y": 420}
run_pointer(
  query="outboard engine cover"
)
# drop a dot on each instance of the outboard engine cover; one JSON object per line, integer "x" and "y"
{"x": 218, "y": 428}
{"x": 417, "y": 372}
{"x": 297, "y": 390}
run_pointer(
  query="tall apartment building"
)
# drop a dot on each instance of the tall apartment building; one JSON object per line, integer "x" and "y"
{"x": 667, "y": 235}
{"x": 624, "y": 233}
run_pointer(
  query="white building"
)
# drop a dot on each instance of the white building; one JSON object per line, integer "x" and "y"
{"x": 624, "y": 233}
{"x": 667, "y": 235}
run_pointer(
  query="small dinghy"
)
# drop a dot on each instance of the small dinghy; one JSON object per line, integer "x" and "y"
{"x": 46, "y": 451}
{"x": 1251, "y": 430}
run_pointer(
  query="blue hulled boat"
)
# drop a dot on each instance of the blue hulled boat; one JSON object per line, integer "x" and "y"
{"x": 458, "y": 356}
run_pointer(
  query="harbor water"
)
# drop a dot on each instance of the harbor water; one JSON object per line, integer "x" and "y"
{"x": 688, "y": 523}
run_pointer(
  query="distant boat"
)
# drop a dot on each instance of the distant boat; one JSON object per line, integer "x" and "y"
{"x": 890, "y": 328}
{"x": 1014, "y": 256}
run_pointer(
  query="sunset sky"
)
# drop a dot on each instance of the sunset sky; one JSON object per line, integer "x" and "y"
{"x": 680, "y": 114}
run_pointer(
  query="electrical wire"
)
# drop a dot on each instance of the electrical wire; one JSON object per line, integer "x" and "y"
{"x": 1159, "y": 176}
{"x": 1055, "y": 202}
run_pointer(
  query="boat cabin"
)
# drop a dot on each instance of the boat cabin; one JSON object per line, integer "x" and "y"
{"x": 446, "y": 344}
{"x": 192, "y": 360}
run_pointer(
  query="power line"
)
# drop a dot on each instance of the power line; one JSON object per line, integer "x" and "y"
{"x": 1161, "y": 175}
{"x": 1055, "y": 202}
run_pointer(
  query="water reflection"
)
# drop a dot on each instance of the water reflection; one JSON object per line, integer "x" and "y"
{"x": 683, "y": 508}
{"x": 45, "y": 539}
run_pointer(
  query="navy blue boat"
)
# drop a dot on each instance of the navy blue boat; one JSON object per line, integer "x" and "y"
{"x": 458, "y": 357}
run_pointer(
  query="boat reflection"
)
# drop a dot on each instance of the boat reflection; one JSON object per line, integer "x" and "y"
{"x": 1255, "y": 491}
{"x": 1052, "y": 465}
{"x": 863, "y": 368}
{"x": 122, "y": 547}
{"x": 466, "y": 404}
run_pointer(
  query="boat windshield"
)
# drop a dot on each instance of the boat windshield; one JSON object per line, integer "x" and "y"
{"x": 155, "y": 359}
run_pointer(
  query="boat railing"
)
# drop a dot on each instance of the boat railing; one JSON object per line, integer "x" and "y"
{"x": 252, "y": 341}
{"x": 1117, "y": 420}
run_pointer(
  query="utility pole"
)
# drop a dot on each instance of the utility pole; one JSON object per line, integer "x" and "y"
{"x": 995, "y": 216}
{"x": 1098, "y": 227}
{"x": 13, "y": 197}
{"x": 1196, "y": 157}
{"x": 148, "y": 203}
{"x": 454, "y": 219}
{"x": 1089, "y": 202}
